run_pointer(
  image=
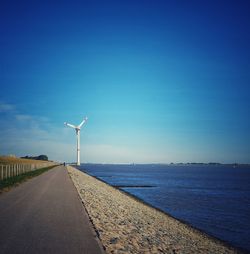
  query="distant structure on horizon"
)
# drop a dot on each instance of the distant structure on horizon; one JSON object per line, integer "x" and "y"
{"x": 77, "y": 129}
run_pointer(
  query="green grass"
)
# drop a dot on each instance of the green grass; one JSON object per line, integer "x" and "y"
{"x": 7, "y": 160}
{"x": 6, "y": 184}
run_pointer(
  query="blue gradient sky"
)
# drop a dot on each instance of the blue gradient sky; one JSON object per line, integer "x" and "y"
{"x": 161, "y": 81}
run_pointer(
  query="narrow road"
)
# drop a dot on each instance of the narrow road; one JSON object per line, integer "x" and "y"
{"x": 45, "y": 215}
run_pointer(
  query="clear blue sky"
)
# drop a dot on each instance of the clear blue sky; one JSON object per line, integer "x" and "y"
{"x": 161, "y": 81}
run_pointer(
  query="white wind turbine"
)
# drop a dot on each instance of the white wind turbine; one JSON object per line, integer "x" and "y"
{"x": 77, "y": 128}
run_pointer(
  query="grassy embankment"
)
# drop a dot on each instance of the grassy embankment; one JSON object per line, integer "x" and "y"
{"x": 6, "y": 160}
{"x": 6, "y": 184}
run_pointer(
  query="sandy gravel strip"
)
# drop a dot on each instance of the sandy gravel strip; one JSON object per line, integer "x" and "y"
{"x": 125, "y": 225}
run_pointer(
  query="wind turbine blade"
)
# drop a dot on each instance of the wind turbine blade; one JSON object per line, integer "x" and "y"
{"x": 84, "y": 120}
{"x": 70, "y": 125}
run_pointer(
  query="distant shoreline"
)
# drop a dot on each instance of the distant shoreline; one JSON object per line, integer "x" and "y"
{"x": 169, "y": 164}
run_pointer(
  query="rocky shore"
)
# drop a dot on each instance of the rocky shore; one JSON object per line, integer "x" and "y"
{"x": 126, "y": 225}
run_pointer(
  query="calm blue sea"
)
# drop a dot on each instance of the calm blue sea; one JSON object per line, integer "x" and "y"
{"x": 215, "y": 199}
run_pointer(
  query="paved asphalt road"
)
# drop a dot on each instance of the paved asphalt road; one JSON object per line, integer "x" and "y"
{"x": 45, "y": 215}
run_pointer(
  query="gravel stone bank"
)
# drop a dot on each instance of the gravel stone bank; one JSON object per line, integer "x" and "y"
{"x": 125, "y": 225}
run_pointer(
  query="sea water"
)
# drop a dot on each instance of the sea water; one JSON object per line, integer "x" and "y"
{"x": 214, "y": 199}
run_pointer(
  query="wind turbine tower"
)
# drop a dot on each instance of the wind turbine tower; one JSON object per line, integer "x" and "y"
{"x": 77, "y": 129}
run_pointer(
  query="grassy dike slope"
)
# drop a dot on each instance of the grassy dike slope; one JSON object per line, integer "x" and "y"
{"x": 126, "y": 225}
{"x": 7, "y": 160}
